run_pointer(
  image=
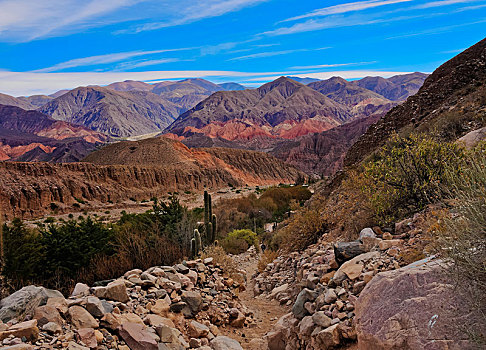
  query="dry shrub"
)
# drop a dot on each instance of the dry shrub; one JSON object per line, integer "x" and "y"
{"x": 266, "y": 258}
{"x": 221, "y": 258}
{"x": 462, "y": 236}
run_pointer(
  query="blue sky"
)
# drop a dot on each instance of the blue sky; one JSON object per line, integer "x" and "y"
{"x": 47, "y": 45}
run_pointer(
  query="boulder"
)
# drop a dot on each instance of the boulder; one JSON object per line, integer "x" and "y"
{"x": 80, "y": 289}
{"x": 305, "y": 295}
{"x": 45, "y": 314}
{"x": 328, "y": 338}
{"x": 137, "y": 337}
{"x": 387, "y": 244}
{"x": 366, "y": 232}
{"x": 193, "y": 299}
{"x": 321, "y": 319}
{"x": 81, "y": 318}
{"x": 115, "y": 290}
{"x": 225, "y": 343}
{"x": 198, "y": 330}
{"x": 414, "y": 307}
{"x": 95, "y": 307}
{"x": 353, "y": 268}
{"x": 25, "y": 301}
{"x": 87, "y": 337}
{"x": 344, "y": 251}
{"x": 27, "y": 329}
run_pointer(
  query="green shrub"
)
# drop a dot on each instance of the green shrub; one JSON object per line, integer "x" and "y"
{"x": 238, "y": 241}
{"x": 409, "y": 173}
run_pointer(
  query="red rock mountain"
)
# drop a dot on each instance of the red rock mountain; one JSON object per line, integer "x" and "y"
{"x": 30, "y": 135}
{"x": 129, "y": 169}
{"x": 282, "y": 108}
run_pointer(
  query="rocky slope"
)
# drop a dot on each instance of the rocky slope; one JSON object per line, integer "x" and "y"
{"x": 450, "y": 103}
{"x": 8, "y": 100}
{"x": 396, "y": 88}
{"x": 164, "y": 307}
{"x": 114, "y": 113}
{"x": 30, "y": 135}
{"x": 138, "y": 170}
{"x": 323, "y": 153}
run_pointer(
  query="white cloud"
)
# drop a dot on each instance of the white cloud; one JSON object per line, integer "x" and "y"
{"x": 26, "y": 20}
{"x": 442, "y": 3}
{"x": 332, "y": 65}
{"x": 273, "y": 53}
{"x": 194, "y": 10}
{"x": 344, "y": 8}
{"x": 103, "y": 59}
{"x": 30, "y": 83}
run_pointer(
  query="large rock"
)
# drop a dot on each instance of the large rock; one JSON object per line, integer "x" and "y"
{"x": 225, "y": 343}
{"x": 115, "y": 290}
{"x": 47, "y": 313}
{"x": 305, "y": 295}
{"x": 414, "y": 307}
{"x": 344, "y": 251}
{"x": 27, "y": 329}
{"x": 24, "y": 301}
{"x": 352, "y": 268}
{"x": 137, "y": 337}
{"x": 81, "y": 318}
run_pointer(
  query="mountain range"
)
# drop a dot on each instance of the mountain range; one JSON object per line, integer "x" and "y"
{"x": 30, "y": 135}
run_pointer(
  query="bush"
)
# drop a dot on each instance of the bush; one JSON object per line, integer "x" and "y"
{"x": 462, "y": 235}
{"x": 238, "y": 241}
{"x": 408, "y": 174}
{"x": 266, "y": 258}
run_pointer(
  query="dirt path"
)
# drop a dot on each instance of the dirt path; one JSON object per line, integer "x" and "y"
{"x": 266, "y": 312}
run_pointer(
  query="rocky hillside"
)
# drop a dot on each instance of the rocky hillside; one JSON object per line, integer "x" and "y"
{"x": 323, "y": 153}
{"x": 30, "y": 135}
{"x": 164, "y": 307}
{"x": 138, "y": 170}
{"x": 8, "y": 100}
{"x": 282, "y": 108}
{"x": 396, "y": 88}
{"x": 114, "y": 113}
{"x": 450, "y": 103}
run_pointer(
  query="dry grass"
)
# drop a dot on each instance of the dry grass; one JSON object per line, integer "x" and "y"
{"x": 266, "y": 258}
{"x": 221, "y": 258}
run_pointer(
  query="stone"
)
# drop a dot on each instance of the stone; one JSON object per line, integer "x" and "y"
{"x": 370, "y": 243}
{"x": 327, "y": 338}
{"x": 305, "y": 295}
{"x": 410, "y": 306}
{"x": 52, "y": 327}
{"x": 157, "y": 320}
{"x": 225, "y": 343}
{"x": 366, "y": 232}
{"x": 80, "y": 289}
{"x": 27, "y": 329}
{"x": 130, "y": 317}
{"x": 45, "y": 314}
{"x": 73, "y": 346}
{"x": 330, "y": 296}
{"x": 239, "y": 320}
{"x": 115, "y": 290}
{"x": 306, "y": 326}
{"x": 27, "y": 298}
{"x": 353, "y": 268}
{"x": 95, "y": 307}
{"x": 59, "y": 303}
{"x": 18, "y": 347}
{"x": 110, "y": 321}
{"x": 384, "y": 245}
{"x": 387, "y": 235}
{"x": 168, "y": 334}
{"x": 193, "y": 299}
{"x": 81, "y": 318}
{"x": 137, "y": 337}
{"x": 344, "y": 251}
{"x": 99, "y": 336}
{"x": 197, "y": 330}
{"x": 161, "y": 307}
{"x": 87, "y": 337}
{"x": 280, "y": 289}
{"x": 181, "y": 268}
{"x": 321, "y": 319}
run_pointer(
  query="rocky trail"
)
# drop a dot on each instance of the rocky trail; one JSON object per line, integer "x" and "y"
{"x": 265, "y": 311}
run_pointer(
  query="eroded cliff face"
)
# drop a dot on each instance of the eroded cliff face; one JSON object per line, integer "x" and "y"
{"x": 28, "y": 189}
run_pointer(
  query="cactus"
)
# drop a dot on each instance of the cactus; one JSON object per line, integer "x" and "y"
{"x": 213, "y": 233}
{"x": 198, "y": 243}
{"x": 206, "y": 207}
{"x": 193, "y": 248}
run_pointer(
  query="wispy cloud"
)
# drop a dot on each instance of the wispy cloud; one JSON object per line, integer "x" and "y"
{"x": 145, "y": 63}
{"x": 26, "y": 20}
{"x": 319, "y": 66}
{"x": 434, "y": 31}
{"x": 344, "y": 8}
{"x": 442, "y": 3}
{"x": 104, "y": 59}
{"x": 30, "y": 83}
{"x": 195, "y": 10}
{"x": 273, "y": 53}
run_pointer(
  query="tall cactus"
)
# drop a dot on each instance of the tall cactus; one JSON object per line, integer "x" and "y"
{"x": 193, "y": 248}
{"x": 198, "y": 242}
{"x": 206, "y": 207}
{"x": 214, "y": 228}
